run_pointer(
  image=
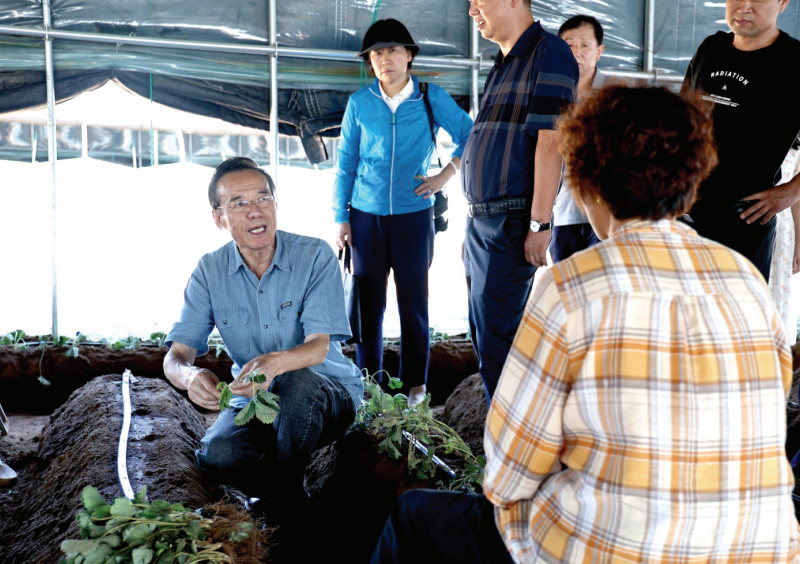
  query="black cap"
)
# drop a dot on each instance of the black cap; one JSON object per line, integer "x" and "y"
{"x": 387, "y": 33}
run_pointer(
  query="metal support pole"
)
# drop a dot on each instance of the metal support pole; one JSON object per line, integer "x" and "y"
{"x": 474, "y": 71}
{"x": 51, "y": 150}
{"x": 273, "y": 88}
{"x": 649, "y": 33}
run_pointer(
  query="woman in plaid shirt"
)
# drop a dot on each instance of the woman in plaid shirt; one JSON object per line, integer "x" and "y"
{"x": 640, "y": 416}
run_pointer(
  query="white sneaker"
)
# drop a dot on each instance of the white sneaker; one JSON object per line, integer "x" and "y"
{"x": 8, "y": 477}
{"x": 416, "y": 394}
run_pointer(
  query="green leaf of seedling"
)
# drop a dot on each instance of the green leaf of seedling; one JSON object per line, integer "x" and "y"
{"x": 123, "y": 507}
{"x": 220, "y": 350}
{"x": 99, "y": 555}
{"x": 225, "y": 397}
{"x": 424, "y": 407}
{"x": 482, "y": 461}
{"x": 258, "y": 378}
{"x": 92, "y": 499}
{"x": 425, "y": 439}
{"x": 62, "y": 341}
{"x": 395, "y": 383}
{"x": 166, "y": 557}
{"x": 237, "y": 537}
{"x": 178, "y": 507}
{"x": 7, "y": 339}
{"x": 194, "y": 531}
{"x": 141, "y": 496}
{"x": 264, "y": 414}
{"x": 138, "y": 533}
{"x": 158, "y": 338}
{"x": 111, "y": 540}
{"x": 79, "y": 546}
{"x": 43, "y": 381}
{"x": 246, "y": 414}
{"x": 142, "y": 555}
{"x": 119, "y": 345}
{"x": 393, "y": 452}
{"x": 102, "y": 512}
{"x": 373, "y": 390}
{"x": 268, "y": 398}
{"x": 161, "y": 508}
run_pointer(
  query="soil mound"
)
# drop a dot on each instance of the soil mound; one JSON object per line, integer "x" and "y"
{"x": 79, "y": 448}
{"x": 356, "y": 487}
{"x": 465, "y": 412}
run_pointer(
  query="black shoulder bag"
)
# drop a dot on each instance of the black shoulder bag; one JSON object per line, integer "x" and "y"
{"x": 440, "y": 204}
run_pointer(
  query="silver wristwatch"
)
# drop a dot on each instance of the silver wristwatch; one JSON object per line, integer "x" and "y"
{"x": 536, "y": 226}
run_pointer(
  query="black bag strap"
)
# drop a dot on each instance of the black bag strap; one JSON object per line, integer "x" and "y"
{"x": 347, "y": 267}
{"x": 423, "y": 86}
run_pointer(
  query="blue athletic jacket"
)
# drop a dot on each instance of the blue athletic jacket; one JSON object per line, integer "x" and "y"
{"x": 380, "y": 153}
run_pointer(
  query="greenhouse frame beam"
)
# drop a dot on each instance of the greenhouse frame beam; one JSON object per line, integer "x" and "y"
{"x": 51, "y": 154}
{"x": 293, "y": 52}
{"x": 273, "y": 87}
{"x": 649, "y": 34}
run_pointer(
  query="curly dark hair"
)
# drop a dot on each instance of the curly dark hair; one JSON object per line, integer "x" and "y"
{"x": 232, "y": 165}
{"x": 642, "y": 150}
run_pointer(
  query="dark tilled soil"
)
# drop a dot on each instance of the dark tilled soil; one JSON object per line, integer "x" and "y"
{"x": 465, "y": 412}
{"x": 78, "y": 447}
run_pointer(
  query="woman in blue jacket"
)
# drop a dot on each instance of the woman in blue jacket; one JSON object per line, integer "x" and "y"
{"x": 383, "y": 198}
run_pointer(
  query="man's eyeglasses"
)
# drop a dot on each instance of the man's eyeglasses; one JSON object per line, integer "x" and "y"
{"x": 243, "y": 205}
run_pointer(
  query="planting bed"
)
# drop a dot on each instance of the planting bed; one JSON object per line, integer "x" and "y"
{"x": 64, "y": 437}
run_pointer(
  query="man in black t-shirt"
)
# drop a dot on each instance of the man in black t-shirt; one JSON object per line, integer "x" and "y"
{"x": 756, "y": 119}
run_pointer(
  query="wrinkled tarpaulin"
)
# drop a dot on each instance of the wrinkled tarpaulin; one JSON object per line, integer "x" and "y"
{"x": 313, "y": 94}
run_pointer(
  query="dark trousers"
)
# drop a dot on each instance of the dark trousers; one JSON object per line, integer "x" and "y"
{"x": 569, "y": 239}
{"x": 269, "y": 461}
{"x": 404, "y": 244}
{"x": 499, "y": 281}
{"x": 755, "y": 241}
{"x": 441, "y": 527}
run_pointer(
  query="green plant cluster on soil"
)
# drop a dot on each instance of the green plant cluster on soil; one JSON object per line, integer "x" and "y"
{"x": 387, "y": 416}
{"x": 138, "y": 532}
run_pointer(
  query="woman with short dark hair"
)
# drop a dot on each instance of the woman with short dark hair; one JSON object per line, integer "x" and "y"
{"x": 640, "y": 415}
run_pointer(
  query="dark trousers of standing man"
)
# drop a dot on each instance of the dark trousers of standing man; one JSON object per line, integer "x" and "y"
{"x": 404, "y": 244}
{"x": 755, "y": 241}
{"x": 441, "y": 527}
{"x": 570, "y": 239}
{"x": 499, "y": 281}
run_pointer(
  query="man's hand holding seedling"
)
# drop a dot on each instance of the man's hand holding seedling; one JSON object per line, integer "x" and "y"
{"x": 267, "y": 365}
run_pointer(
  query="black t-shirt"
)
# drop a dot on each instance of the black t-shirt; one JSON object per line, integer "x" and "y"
{"x": 756, "y": 114}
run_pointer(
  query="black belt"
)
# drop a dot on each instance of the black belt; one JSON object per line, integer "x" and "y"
{"x": 485, "y": 209}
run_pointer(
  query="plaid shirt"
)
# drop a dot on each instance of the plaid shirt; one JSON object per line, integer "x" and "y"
{"x": 524, "y": 92}
{"x": 641, "y": 415}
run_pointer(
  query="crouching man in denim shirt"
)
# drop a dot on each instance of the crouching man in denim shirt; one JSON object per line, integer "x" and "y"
{"x": 278, "y": 302}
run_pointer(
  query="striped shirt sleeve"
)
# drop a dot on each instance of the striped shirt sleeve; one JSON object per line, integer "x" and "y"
{"x": 553, "y": 90}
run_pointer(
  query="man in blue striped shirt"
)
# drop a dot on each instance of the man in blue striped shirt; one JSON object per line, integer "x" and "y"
{"x": 511, "y": 171}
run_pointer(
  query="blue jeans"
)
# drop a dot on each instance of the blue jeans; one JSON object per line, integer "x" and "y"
{"x": 441, "y": 527}
{"x": 499, "y": 281}
{"x": 269, "y": 461}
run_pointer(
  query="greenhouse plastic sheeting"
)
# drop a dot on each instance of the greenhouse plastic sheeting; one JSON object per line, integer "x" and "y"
{"x": 681, "y": 25}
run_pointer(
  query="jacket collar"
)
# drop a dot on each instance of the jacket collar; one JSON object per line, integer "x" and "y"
{"x": 280, "y": 260}
{"x": 375, "y": 89}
